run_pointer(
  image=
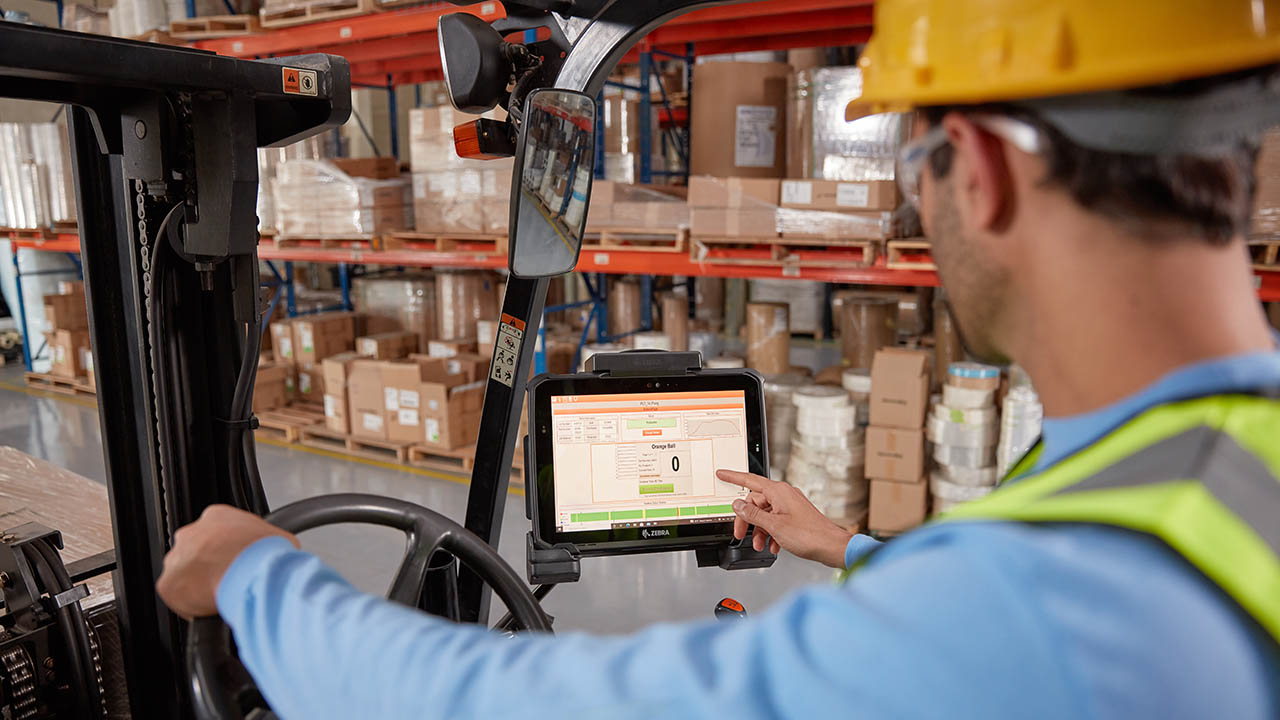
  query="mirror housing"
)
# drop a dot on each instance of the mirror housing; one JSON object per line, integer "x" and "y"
{"x": 551, "y": 185}
{"x": 473, "y": 61}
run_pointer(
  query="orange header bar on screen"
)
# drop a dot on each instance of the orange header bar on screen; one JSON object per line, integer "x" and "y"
{"x": 692, "y": 395}
{"x": 615, "y": 410}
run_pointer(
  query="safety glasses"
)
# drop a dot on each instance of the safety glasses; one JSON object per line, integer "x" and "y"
{"x": 912, "y": 156}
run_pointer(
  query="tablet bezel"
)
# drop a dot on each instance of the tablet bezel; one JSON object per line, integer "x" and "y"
{"x": 622, "y": 541}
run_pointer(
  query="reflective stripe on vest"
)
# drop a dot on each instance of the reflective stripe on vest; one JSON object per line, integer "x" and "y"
{"x": 1201, "y": 475}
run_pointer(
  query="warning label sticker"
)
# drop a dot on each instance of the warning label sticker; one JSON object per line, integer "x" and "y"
{"x": 506, "y": 351}
{"x": 298, "y": 82}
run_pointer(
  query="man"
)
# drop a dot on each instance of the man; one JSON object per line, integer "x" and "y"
{"x": 1128, "y": 568}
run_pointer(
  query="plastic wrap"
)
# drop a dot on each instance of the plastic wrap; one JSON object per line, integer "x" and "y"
{"x": 402, "y": 303}
{"x": 32, "y": 490}
{"x": 431, "y": 138}
{"x": 464, "y": 200}
{"x": 827, "y": 454}
{"x": 462, "y": 298}
{"x": 131, "y": 18}
{"x": 625, "y": 168}
{"x": 949, "y": 491}
{"x": 313, "y": 198}
{"x": 636, "y": 207}
{"x": 824, "y": 145}
{"x": 866, "y": 324}
{"x": 51, "y": 151}
{"x": 624, "y": 306}
{"x": 768, "y": 337}
{"x": 780, "y": 414}
{"x": 804, "y": 300}
{"x": 623, "y": 121}
{"x": 86, "y": 19}
{"x": 1266, "y": 199}
{"x": 36, "y": 184}
{"x": 966, "y": 398}
{"x": 316, "y": 147}
{"x": 1019, "y": 426}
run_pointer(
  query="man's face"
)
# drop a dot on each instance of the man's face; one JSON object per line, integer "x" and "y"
{"x": 976, "y": 282}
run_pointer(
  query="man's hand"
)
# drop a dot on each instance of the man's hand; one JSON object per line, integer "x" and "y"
{"x": 784, "y": 517}
{"x": 201, "y": 554}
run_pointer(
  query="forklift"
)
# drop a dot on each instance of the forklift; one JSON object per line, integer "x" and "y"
{"x": 164, "y": 146}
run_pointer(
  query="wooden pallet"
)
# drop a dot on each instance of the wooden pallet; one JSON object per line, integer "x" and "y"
{"x": 314, "y": 12}
{"x": 59, "y": 384}
{"x": 352, "y": 242}
{"x": 156, "y": 36}
{"x": 214, "y": 26}
{"x": 320, "y": 436}
{"x": 1263, "y": 253}
{"x": 910, "y": 255}
{"x": 787, "y": 252}
{"x": 287, "y": 423}
{"x": 662, "y": 240}
{"x": 459, "y": 461}
{"x": 479, "y": 243}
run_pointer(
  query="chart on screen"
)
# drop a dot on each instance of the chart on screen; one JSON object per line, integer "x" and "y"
{"x": 639, "y": 460}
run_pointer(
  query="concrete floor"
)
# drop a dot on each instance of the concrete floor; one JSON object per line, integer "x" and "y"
{"x": 615, "y": 595}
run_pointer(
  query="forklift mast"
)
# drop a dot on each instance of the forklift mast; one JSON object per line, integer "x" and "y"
{"x": 160, "y": 137}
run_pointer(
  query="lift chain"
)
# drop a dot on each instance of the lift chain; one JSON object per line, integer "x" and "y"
{"x": 20, "y": 682}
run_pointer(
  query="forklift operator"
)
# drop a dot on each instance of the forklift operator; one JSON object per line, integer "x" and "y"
{"x": 1085, "y": 171}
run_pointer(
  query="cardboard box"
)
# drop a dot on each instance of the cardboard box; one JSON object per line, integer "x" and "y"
{"x": 733, "y": 192}
{"x": 450, "y": 412}
{"x": 269, "y": 387}
{"x": 449, "y": 348}
{"x": 282, "y": 342}
{"x": 336, "y": 416}
{"x": 310, "y": 384}
{"x": 726, "y": 222}
{"x": 899, "y": 388}
{"x": 334, "y": 370}
{"x": 316, "y": 337}
{"x": 388, "y": 346}
{"x": 290, "y": 382}
{"x": 66, "y": 312}
{"x": 472, "y": 366}
{"x": 897, "y": 506}
{"x": 71, "y": 287}
{"x": 365, "y": 400}
{"x": 665, "y": 214}
{"x": 833, "y": 195}
{"x": 378, "y": 168}
{"x": 65, "y": 346}
{"x": 894, "y": 453}
{"x": 739, "y": 119}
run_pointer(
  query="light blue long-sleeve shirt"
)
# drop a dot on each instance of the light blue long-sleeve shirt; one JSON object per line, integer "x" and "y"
{"x": 977, "y": 620}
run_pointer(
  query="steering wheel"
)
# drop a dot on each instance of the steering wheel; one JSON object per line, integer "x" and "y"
{"x": 222, "y": 689}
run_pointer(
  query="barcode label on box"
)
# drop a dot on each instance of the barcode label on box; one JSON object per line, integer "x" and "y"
{"x": 368, "y": 346}
{"x": 407, "y": 417}
{"x": 372, "y": 422}
{"x": 853, "y": 195}
{"x": 755, "y": 139}
{"x": 409, "y": 399}
{"x": 797, "y": 192}
{"x": 330, "y": 406}
{"x": 390, "y": 399}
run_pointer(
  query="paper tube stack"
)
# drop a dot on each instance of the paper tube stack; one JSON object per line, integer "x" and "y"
{"x": 768, "y": 338}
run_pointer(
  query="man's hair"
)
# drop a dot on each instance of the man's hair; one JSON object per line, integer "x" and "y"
{"x": 1210, "y": 196}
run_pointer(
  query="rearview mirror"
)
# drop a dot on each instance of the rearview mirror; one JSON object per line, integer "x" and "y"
{"x": 554, "y": 163}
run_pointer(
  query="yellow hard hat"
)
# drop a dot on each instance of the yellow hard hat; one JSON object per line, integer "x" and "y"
{"x": 940, "y": 52}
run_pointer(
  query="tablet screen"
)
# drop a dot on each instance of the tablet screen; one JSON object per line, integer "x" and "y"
{"x": 646, "y": 460}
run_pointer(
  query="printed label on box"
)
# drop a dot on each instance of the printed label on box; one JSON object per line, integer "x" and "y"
{"x": 755, "y": 136}
{"x": 440, "y": 350}
{"x": 409, "y": 399}
{"x": 60, "y": 355}
{"x": 433, "y": 430}
{"x": 330, "y": 406}
{"x": 853, "y": 195}
{"x": 797, "y": 192}
{"x": 390, "y": 398}
{"x": 368, "y": 346}
{"x": 407, "y": 417}
{"x": 308, "y": 344}
{"x": 86, "y": 359}
{"x": 304, "y": 382}
{"x": 372, "y": 422}
{"x": 286, "y": 347}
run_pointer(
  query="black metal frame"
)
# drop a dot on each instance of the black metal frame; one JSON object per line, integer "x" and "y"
{"x": 146, "y": 121}
{"x": 591, "y": 57}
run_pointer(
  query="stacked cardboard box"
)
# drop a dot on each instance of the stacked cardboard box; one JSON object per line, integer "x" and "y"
{"x": 733, "y": 206}
{"x": 631, "y": 207}
{"x": 301, "y": 344}
{"x": 387, "y": 346}
{"x": 269, "y": 390}
{"x": 334, "y": 370}
{"x": 314, "y": 198}
{"x": 401, "y": 302}
{"x": 895, "y": 440}
{"x": 830, "y": 209}
{"x": 739, "y": 119}
{"x": 67, "y": 330}
{"x": 416, "y": 401}
{"x": 452, "y": 194}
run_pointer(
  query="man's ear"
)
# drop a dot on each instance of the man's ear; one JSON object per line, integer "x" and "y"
{"x": 979, "y": 173}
